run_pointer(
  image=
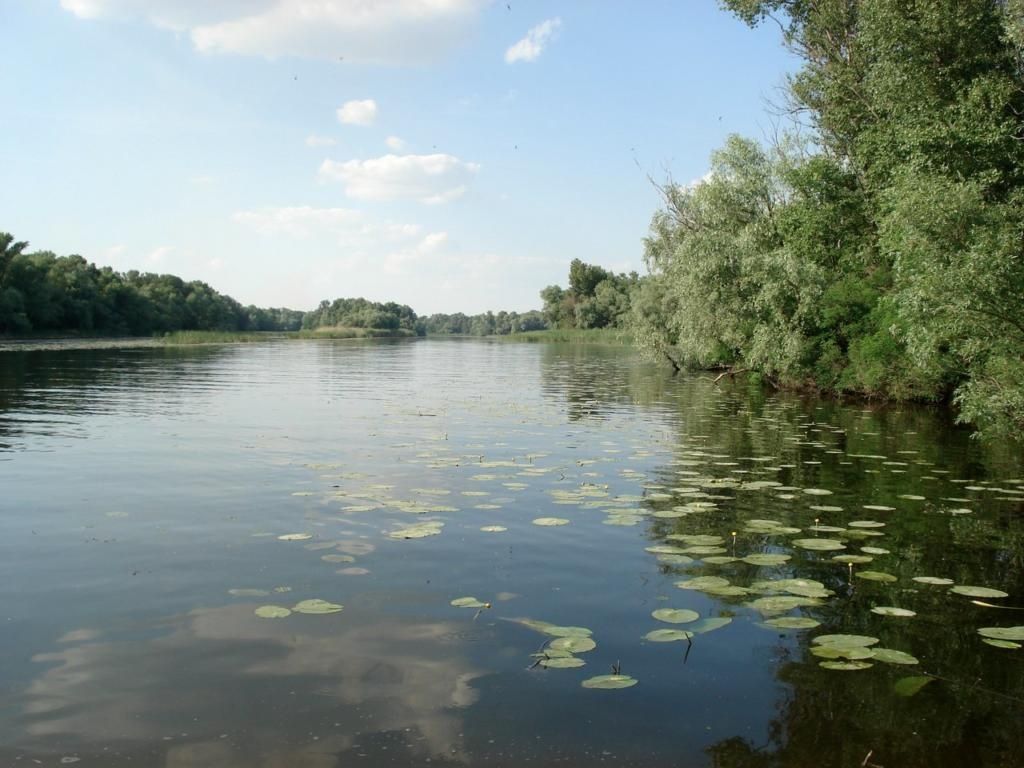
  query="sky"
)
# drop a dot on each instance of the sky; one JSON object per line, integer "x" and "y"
{"x": 453, "y": 155}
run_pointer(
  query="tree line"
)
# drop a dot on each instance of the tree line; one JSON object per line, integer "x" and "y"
{"x": 877, "y": 247}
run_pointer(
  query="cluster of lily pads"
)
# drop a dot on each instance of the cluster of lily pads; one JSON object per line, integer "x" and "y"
{"x": 706, "y": 484}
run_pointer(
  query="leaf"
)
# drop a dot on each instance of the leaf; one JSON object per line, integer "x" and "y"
{"x": 667, "y": 635}
{"x": 908, "y": 686}
{"x": 572, "y": 644}
{"x": 889, "y": 610}
{"x": 563, "y": 662}
{"x": 550, "y": 521}
{"x": 675, "y": 615}
{"x": 609, "y": 682}
{"x": 1003, "y": 633}
{"x": 316, "y": 606}
{"x": 272, "y": 612}
{"x": 979, "y": 592}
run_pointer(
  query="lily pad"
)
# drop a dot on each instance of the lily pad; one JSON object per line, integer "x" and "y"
{"x": 819, "y": 545}
{"x": 550, "y": 521}
{"x": 889, "y": 610}
{"x": 765, "y": 559}
{"x": 846, "y": 640}
{"x": 908, "y": 686}
{"x": 846, "y": 666}
{"x": 573, "y": 644}
{"x": 675, "y": 615}
{"x": 978, "y": 592}
{"x": 494, "y": 529}
{"x": 272, "y": 612}
{"x": 566, "y": 662}
{"x": 703, "y": 582}
{"x": 709, "y": 625}
{"x": 853, "y": 559}
{"x": 1003, "y": 633}
{"x": 852, "y": 652}
{"x": 609, "y": 682}
{"x": 468, "y": 602}
{"x": 937, "y": 580}
{"x": 889, "y": 656}
{"x": 295, "y": 537}
{"x": 316, "y": 606}
{"x": 667, "y": 635}
{"x": 793, "y": 622}
{"x": 875, "y": 576}
{"x": 1007, "y": 644}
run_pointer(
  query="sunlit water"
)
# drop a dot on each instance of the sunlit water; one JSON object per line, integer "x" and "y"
{"x": 139, "y": 487}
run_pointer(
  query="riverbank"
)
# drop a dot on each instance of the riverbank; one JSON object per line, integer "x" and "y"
{"x": 612, "y": 336}
{"x": 191, "y": 338}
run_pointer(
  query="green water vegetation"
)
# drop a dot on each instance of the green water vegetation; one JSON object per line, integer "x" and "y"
{"x": 877, "y": 247}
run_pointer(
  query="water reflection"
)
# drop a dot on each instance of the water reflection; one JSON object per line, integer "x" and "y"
{"x": 225, "y": 688}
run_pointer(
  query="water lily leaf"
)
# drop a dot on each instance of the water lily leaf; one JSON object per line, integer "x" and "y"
{"x": 875, "y": 576}
{"x": 852, "y": 652}
{"x": 879, "y": 508}
{"x": 573, "y": 644}
{"x": 817, "y": 492}
{"x": 781, "y": 603}
{"x": 818, "y": 528}
{"x": 846, "y": 666}
{"x": 665, "y": 549}
{"x": 766, "y": 559}
{"x": 494, "y": 529}
{"x": 792, "y": 622}
{"x": 703, "y": 582}
{"x": 316, "y": 606}
{"x": 908, "y": 686}
{"x": 550, "y": 521}
{"x": 557, "y": 631}
{"x": 978, "y": 591}
{"x": 418, "y": 531}
{"x": 852, "y": 559}
{"x": 468, "y": 602}
{"x": 932, "y": 580}
{"x": 709, "y": 625}
{"x": 272, "y": 612}
{"x": 865, "y": 524}
{"x": 874, "y": 550}
{"x": 889, "y": 610}
{"x": 1002, "y": 633}
{"x": 667, "y": 635}
{"x": 818, "y": 545}
{"x": 675, "y": 615}
{"x": 337, "y": 558}
{"x": 1007, "y": 644}
{"x": 609, "y": 682}
{"x": 845, "y": 640}
{"x": 248, "y": 592}
{"x": 562, "y": 662}
{"x": 295, "y": 536}
{"x": 889, "y": 656}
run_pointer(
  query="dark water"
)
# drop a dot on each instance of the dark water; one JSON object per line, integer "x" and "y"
{"x": 137, "y": 487}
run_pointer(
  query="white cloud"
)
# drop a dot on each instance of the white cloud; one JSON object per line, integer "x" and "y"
{"x": 159, "y": 255}
{"x": 532, "y": 46}
{"x": 358, "y": 112}
{"x": 203, "y": 180}
{"x": 319, "y": 141}
{"x": 429, "y": 179}
{"x": 364, "y": 31}
{"x": 344, "y": 225}
{"x": 394, "y": 143}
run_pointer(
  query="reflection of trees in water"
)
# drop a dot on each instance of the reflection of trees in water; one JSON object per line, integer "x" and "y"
{"x": 292, "y": 692}
{"x": 69, "y": 385}
{"x": 974, "y": 715}
{"x": 594, "y": 381}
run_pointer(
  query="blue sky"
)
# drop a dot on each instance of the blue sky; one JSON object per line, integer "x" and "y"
{"x": 453, "y": 155}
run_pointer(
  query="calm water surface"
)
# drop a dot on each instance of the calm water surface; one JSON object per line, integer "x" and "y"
{"x": 143, "y": 493}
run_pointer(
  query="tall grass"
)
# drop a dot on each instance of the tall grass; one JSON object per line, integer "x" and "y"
{"x": 612, "y": 336}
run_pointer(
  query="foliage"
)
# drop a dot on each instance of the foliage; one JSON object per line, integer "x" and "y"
{"x": 596, "y": 298}
{"x": 485, "y": 324}
{"x": 884, "y": 255}
{"x": 361, "y": 313}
